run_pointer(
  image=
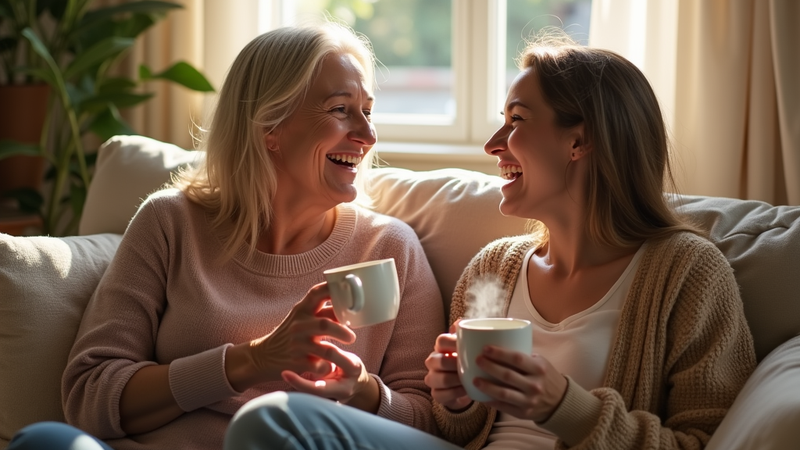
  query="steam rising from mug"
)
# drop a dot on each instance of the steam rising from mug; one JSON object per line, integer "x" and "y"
{"x": 485, "y": 298}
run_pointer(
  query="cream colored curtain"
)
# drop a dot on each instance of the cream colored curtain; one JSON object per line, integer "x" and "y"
{"x": 169, "y": 115}
{"x": 206, "y": 34}
{"x": 726, "y": 74}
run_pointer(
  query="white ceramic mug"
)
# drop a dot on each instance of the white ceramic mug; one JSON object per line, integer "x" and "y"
{"x": 474, "y": 334}
{"x": 364, "y": 294}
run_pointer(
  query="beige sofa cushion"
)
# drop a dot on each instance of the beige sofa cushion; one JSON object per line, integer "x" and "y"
{"x": 762, "y": 243}
{"x": 766, "y": 414}
{"x": 455, "y": 212}
{"x": 128, "y": 169}
{"x": 45, "y": 284}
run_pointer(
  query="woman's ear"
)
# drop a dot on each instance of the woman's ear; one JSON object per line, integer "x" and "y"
{"x": 271, "y": 140}
{"x": 580, "y": 146}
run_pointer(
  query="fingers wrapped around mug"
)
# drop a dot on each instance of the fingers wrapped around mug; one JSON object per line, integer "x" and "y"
{"x": 523, "y": 385}
{"x": 298, "y": 343}
{"x": 443, "y": 377}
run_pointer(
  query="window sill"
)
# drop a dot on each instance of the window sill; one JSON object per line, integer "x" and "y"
{"x": 431, "y": 156}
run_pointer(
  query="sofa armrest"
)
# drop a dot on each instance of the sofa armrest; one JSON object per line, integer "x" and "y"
{"x": 766, "y": 414}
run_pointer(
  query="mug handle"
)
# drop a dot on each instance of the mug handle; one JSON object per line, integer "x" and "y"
{"x": 356, "y": 292}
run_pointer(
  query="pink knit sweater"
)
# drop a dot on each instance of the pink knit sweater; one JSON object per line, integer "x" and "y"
{"x": 165, "y": 299}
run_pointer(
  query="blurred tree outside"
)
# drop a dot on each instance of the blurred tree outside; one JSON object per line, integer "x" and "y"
{"x": 412, "y": 40}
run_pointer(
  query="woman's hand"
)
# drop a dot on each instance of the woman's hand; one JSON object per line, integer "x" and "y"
{"x": 348, "y": 382}
{"x": 297, "y": 344}
{"x": 442, "y": 376}
{"x": 529, "y": 388}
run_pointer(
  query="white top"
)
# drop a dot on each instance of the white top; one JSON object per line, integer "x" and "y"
{"x": 578, "y": 346}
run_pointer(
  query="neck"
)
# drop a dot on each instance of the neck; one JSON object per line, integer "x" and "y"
{"x": 292, "y": 231}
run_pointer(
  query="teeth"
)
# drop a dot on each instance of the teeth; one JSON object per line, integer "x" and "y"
{"x": 510, "y": 172}
{"x": 350, "y": 159}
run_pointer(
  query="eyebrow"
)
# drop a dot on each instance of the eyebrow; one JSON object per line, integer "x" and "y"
{"x": 348, "y": 95}
{"x": 513, "y": 104}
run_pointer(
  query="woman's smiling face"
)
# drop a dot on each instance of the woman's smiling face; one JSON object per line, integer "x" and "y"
{"x": 533, "y": 151}
{"x": 317, "y": 149}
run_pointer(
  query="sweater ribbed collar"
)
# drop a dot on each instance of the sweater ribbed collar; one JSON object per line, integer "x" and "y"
{"x": 313, "y": 260}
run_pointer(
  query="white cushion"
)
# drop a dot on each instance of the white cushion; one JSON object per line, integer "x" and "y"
{"x": 129, "y": 168}
{"x": 766, "y": 414}
{"x": 45, "y": 284}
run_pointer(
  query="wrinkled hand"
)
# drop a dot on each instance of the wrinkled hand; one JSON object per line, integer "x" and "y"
{"x": 442, "y": 376}
{"x": 298, "y": 343}
{"x": 347, "y": 383}
{"x": 529, "y": 388}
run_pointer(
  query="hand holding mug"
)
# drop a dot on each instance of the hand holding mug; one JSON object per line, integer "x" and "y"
{"x": 531, "y": 389}
{"x": 442, "y": 376}
{"x": 298, "y": 343}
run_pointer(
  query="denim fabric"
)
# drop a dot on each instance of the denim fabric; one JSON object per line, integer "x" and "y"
{"x": 54, "y": 436}
{"x": 284, "y": 421}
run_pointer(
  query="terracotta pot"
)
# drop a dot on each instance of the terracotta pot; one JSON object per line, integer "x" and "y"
{"x": 22, "y": 116}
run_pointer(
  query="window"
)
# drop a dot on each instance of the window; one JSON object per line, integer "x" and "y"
{"x": 446, "y": 64}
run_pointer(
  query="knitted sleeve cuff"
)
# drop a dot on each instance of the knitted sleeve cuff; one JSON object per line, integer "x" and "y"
{"x": 393, "y": 406}
{"x": 200, "y": 380}
{"x": 576, "y": 416}
{"x": 460, "y": 427}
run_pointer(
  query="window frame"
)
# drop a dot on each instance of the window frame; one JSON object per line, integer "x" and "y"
{"x": 478, "y": 37}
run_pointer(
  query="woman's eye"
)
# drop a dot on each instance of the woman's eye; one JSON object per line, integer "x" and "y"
{"x": 339, "y": 109}
{"x": 367, "y": 113}
{"x": 515, "y": 118}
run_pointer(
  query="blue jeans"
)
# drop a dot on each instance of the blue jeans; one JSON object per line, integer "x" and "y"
{"x": 54, "y": 436}
{"x": 283, "y": 421}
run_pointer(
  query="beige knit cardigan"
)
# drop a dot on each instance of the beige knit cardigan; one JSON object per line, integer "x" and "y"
{"x": 681, "y": 353}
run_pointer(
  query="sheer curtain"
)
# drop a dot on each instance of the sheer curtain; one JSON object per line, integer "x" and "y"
{"x": 726, "y": 74}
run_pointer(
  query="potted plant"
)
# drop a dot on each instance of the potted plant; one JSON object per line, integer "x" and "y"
{"x": 73, "y": 49}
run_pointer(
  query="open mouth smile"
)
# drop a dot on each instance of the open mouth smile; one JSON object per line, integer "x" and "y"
{"x": 350, "y": 161}
{"x": 510, "y": 173}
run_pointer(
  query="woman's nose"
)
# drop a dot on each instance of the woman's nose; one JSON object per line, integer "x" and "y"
{"x": 497, "y": 142}
{"x": 364, "y": 132}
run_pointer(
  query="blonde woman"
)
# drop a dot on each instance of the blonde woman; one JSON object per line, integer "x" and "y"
{"x": 215, "y": 295}
{"x": 640, "y": 339}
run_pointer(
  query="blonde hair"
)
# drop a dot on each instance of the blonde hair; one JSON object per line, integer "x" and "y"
{"x": 266, "y": 83}
{"x": 629, "y": 164}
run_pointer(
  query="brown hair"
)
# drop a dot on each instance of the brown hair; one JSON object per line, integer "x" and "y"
{"x": 629, "y": 164}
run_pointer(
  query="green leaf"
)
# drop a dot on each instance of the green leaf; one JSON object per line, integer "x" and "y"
{"x": 98, "y": 53}
{"x": 13, "y": 148}
{"x": 185, "y": 75}
{"x": 39, "y": 74}
{"x": 145, "y": 73}
{"x": 142, "y": 7}
{"x": 134, "y": 26}
{"x": 98, "y": 102}
{"x": 77, "y": 198}
{"x": 29, "y": 199}
{"x": 117, "y": 84}
{"x": 109, "y": 124}
{"x": 55, "y": 71}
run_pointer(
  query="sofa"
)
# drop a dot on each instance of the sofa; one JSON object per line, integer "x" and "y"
{"x": 45, "y": 282}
